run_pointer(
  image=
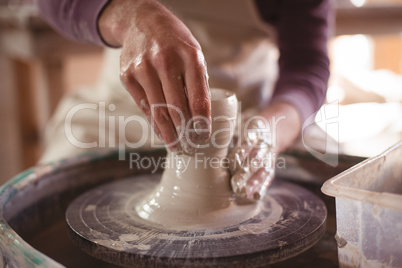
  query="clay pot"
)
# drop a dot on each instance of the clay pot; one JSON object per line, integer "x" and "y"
{"x": 195, "y": 189}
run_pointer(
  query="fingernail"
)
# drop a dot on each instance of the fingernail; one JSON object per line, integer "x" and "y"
{"x": 179, "y": 151}
{"x": 173, "y": 149}
{"x": 256, "y": 196}
{"x": 238, "y": 182}
{"x": 203, "y": 129}
{"x": 187, "y": 148}
{"x": 176, "y": 149}
{"x": 180, "y": 131}
{"x": 143, "y": 104}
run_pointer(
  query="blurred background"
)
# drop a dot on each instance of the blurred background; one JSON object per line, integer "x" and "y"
{"x": 38, "y": 66}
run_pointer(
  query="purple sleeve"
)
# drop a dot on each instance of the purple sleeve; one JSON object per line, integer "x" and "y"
{"x": 76, "y": 19}
{"x": 302, "y": 38}
{"x": 303, "y": 32}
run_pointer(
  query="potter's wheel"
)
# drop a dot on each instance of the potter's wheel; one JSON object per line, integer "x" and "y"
{"x": 103, "y": 222}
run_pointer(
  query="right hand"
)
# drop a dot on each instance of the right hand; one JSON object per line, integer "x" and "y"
{"x": 161, "y": 63}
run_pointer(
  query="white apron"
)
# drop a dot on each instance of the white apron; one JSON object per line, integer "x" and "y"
{"x": 241, "y": 55}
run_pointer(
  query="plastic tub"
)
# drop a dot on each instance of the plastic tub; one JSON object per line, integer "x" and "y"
{"x": 369, "y": 211}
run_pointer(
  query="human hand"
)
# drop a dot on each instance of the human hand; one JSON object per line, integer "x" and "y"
{"x": 252, "y": 162}
{"x": 163, "y": 68}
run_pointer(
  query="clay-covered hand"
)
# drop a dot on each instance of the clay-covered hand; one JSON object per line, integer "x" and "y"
{"x": 162, "y": 67}
{"x": 252, "y": 162}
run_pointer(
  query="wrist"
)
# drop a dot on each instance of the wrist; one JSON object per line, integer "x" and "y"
{"x": 284, "y": 122}
{"x": 118, "y": 17}
{"x": 110, "y": 25}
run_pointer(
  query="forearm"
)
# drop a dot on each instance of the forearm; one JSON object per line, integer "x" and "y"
{"x": 75, "y": 19}
{"x": 284, "y": 124}
{"x": 303, "y": 30}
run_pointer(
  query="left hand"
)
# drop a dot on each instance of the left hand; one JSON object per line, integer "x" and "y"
{"x": 252, "y": 163}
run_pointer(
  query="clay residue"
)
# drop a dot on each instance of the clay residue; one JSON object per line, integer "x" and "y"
{"x": 282, "y": 243}
{"x": 98, "y": 234}
{"x": 34, "y": 178}
{"x": 128, "y": 237}
{"x": 121, "y": 245}
{"x": 265, "y": 225}
{"x": 90, "y": 208}
{"x": 352, "y": 256}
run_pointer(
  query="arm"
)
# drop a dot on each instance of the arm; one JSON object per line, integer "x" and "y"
{"x": 75, "y": 19}
{"x": 300, "y": 90}
{"x": 303, "y": 31}
{"x": 162, "y": 65}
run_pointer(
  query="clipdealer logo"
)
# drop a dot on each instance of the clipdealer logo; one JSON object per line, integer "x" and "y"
{"x": 114, "y": 135}
{"x": 328, "y": 118}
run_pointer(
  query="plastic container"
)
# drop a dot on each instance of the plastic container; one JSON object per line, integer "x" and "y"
{"x": 369, "y": 211}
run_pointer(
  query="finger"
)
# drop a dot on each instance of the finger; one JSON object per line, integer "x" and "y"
{"x": 140, "y": 98}
{"x": 237, "y": 158}
{"x": 258, "y": 183}
{"x": 147, "y": 77}
{"x": 258, "y": 138}
{"x": 260, "y": 158}
{"x": 175, "y": 96}
{"x": 239, "y": 182}
{"x": 198, "y": 93}
{"x": 255, "y": 173}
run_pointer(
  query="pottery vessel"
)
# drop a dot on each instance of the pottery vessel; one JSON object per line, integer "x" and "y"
{"x": 195, "y": 189}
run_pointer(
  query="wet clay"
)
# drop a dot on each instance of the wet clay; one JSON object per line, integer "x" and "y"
{"x": 188, "y": 217}
{"x": 195, "y": 191}
{"x": 103, "y": 222}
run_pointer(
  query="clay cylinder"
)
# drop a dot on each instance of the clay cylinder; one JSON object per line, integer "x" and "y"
{"x": 195, "y": 191}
